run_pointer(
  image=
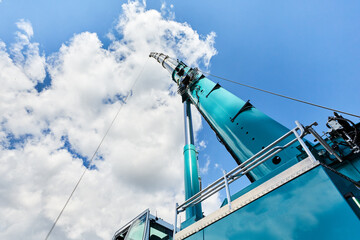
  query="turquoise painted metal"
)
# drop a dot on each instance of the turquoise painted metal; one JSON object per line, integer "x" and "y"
{"x": 191, "y": 178}
{"x": 243, "y": 129}
{"x": 304, "y": 192}
{"x": 245, "y": 134}
{"x": 311, "y": 206}
{"x": 191, "y": 173}
{"x": 317, "y": 203}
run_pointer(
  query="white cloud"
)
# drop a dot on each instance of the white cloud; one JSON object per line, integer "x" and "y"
{"x": 142, "y": 155}
{"x": 205, "y": 168}
{"x": 211, "y": 204}
{"x": 166, "y": 11}
{"x": 201, "y": 145}
{"x": 218, "y": 166}
{"x": 25, "y": 54}
{"x": 26, "y": 27}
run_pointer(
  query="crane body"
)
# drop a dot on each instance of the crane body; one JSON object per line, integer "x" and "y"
{"x": 298, "y": 190}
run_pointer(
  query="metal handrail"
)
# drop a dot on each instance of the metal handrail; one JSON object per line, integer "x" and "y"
{"x": 251, "y": 161}
{"x": 245, "y": 167}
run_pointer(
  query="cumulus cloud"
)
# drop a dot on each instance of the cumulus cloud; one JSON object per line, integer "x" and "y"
{"x": 211, "y": 204}
{"x": 167, "y": 11}
{"x": 46, "y": 136}
{"x": 201, "y": 144}
{"x": 205, "y": 169}
{"x": 26, "y": 54}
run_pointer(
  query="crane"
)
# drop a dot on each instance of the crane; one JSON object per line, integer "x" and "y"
{"x": 298, "y": 190}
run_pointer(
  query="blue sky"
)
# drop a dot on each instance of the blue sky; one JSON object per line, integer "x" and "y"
{"x": 55, "y": 22}
{"x": 304, "y": 49}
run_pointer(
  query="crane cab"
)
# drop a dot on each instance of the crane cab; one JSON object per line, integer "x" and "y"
{"x": 145, "y": 227}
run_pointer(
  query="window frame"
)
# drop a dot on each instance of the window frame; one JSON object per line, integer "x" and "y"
{"x": 145, "y": 236}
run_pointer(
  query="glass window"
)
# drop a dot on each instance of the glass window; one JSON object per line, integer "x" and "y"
{"x": 137, "y": 229}
{"x": 158, "y": 232}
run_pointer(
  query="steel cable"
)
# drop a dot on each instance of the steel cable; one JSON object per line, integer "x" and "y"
{"x": 97, "y": 149}
{"x": 280, "y": 95}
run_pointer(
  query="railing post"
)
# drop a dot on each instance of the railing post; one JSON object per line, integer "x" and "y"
{"x": 227, "y": 190}
{"x": 307, "y": 150}
{"x": 175, "y": 223}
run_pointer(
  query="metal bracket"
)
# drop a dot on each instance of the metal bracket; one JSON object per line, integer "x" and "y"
{"x": 247, "y": 106}
{"x": 217, "y": 86}
{"x": 322, "y": 141}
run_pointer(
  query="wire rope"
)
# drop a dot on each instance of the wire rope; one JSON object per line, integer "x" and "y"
{"x": 280, "y": 95}
{"x": 95, "y": 152}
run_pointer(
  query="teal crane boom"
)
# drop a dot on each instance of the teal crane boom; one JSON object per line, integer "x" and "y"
{"x": 299, "y": 189}
{"x": 243, "y": 129}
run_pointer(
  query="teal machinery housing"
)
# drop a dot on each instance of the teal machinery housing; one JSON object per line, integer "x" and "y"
{"x": 298, "y": 190}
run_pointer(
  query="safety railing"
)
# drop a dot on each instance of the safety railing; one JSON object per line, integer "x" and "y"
{"x": 259, "y": 158}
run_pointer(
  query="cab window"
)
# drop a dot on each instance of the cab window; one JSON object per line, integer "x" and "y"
{"x": 137, "y": 229}
{"x": 158, "y": 232}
